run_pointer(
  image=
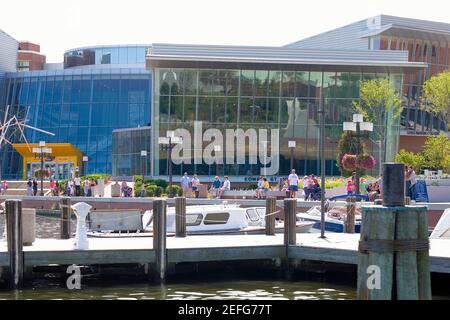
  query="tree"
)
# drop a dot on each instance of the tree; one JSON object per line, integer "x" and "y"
{"x": 416, "y": 160}
{"x": 436, "y": 96}
{"x": 377, "y": 101}
{"x": 437, "y": 152}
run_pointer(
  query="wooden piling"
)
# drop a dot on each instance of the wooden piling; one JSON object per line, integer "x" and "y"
{"x": 375, "y": 266}
{"x": 423, "y": 259}
{"x": 159, "y": 237}
{"x": 407, "y": 201}
{"x": 271, "y": 207}
{"x": 180, "y": 217}
{"x": 290, "y": 223}
{"x": 15, "y": 242}
{"x": 349, "y": 225}
{"x": 66, "y": 213}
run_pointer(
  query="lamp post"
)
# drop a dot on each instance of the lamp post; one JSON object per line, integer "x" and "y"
{"x": 292, "y": 144}
{"x": 85, "y": 161}
{"x": 264, "y": 144}
{"x": 217, "y": 149}
{"x": 143, "y": 164}
{"x": 168, "y": 143}
{"x": 42, "y": 152}
{"x": 358, "y": 125}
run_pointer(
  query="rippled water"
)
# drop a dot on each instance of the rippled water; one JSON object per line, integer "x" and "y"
{"x": 210, "y": 290}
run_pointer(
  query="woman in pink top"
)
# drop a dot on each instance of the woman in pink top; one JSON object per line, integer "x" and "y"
{"x": 349, "y": 187}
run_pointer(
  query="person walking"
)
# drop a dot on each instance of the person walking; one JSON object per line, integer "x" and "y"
{"x": 195, "y": 185}
{"x": 350, "y": 187}
{"x": 266, "y": 187}
{"x": 29, "y": 187}
{"x": 184, "y": 183}
{"x": 92, "y": 187}
{"x": 35, "y": 187}
{"x": 143, "y": 191}
{"x": 293, "y": 184}
{"x": 260, "y": 188}
{"x": 306, "y": 187}
{"x": 86, "y": 187}
{"x": 52, "y": 187}
{"x": 57, "y": 188}
{"x": 413, "y": 182}
{"x": 77, "y": 182}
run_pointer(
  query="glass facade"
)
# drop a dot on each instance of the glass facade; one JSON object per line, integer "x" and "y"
{"x": 105, "y": 55}
{"x": 436, "y": 55}
{"x": 81, "y": 107}
{"x": 261, "y": 99}
{"x": 127, "y": 159}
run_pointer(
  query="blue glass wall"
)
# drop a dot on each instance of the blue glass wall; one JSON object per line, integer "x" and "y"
{"x": 105, "y": 55}
{"x": 81, "y": 107}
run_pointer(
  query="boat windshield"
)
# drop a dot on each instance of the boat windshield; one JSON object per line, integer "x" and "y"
{"x": 253, "y": 216}
{"x": 194, "y": 219}
{"x": 216, "y": 218}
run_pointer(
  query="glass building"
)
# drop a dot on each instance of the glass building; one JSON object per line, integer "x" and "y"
{"x": 81, "y": 106}
{"x": 131, "y": 151}
{"x": 229, "y": 93}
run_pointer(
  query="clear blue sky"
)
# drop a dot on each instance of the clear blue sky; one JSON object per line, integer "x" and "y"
{"x": 62, "y": 25}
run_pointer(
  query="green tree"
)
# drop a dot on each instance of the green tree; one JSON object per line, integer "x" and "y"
{"x": 436, "y": 96}
{"x": 437, "y": 152}
{"x": 416, "y": 160}
{"x": 378, "y": 101}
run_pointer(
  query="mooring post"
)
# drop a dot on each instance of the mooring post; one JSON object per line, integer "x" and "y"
{"x": 271, "y": 206}
{"x": 159, "y": 237}
{"x": 180, "y": 216}
{"x": 394, "y": 247}
{"x": 66, "y": 211}
{"x": 407, "y": 201}
{"x": 15, "y": 243}
{"x": 349, "y": 224}
{"x": 290, "y": 208}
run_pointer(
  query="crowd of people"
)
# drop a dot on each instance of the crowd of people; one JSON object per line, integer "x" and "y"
{"x": 73, "y": 187}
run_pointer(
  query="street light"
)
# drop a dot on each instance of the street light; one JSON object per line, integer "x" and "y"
{"x": 85, "y": 161}
{"x": 143, "y": 166}
{"x": 168, "y": 143}
{"x": 41, "y": 153}
{"x": 357, "y": 126}
{"x": 217, "y": 149}
{"x": 292, "y": 144}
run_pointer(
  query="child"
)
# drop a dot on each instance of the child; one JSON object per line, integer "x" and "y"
{"x": 349, "y": 187}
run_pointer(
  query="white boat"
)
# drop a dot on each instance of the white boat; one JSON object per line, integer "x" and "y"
{"x": 334, "y": 218}
{"x": 442, "y": 229}
{"x": 211, "y": 219}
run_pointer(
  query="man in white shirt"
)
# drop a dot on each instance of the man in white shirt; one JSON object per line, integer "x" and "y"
{"x": 77, "y": 182}
{"x": 185, "y": 184}
{"x": 225, "y": 187}
{"x": 413, "y": 180}
{"x": 293, "y": 184}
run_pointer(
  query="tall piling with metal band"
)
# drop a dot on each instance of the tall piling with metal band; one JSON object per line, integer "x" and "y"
{"x": 66, "y": 212}
{"x": 159, "y": 237}
{"x": 349, "y": 225}
{"x": 15, "y": 242}
{"x": 180, "y": 216}
{"x": 271, "y": 206}
{"x": 394, "y": 245}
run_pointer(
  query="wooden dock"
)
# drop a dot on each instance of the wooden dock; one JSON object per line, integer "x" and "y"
{"x": 336, "y": 248}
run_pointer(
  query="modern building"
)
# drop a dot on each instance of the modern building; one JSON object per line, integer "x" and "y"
{"x": 82, "y": 104}
{"x": 141, "y": 95}
{"x": 29, "y": 57}
{"x": 425, "y": 41}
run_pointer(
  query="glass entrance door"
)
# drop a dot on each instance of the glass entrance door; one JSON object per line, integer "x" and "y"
{"x": 56, "y": 170}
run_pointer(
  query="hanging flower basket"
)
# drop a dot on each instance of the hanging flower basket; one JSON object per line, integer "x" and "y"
{"x": 366, "y": 162}
{"x": 349, "y": 162}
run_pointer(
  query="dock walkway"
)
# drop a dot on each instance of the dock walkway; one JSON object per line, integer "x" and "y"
{"x": 336, "y": 248}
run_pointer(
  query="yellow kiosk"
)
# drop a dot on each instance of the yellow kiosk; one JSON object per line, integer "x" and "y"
{"x": 63, "y": 162}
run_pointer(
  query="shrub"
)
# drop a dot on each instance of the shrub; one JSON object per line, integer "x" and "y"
{"x": 160, "y": 183}
{"x": 416, "y": 160}
{"x": 177, "y": 191}
{"x": 150, "y": 190}
{"x": 158, "y": 191}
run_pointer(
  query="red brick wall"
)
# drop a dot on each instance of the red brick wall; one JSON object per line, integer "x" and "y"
{"x": 412, "y": 143}
{"x": 28, "y": 46}
{"x": 37, "y": 61}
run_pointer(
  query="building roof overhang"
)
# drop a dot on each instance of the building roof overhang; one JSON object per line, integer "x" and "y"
{"x": 408, "y": 32}
{"x": 278, "y": 58}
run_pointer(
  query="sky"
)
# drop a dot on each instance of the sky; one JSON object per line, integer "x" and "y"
{"x": 62, "y": 25}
